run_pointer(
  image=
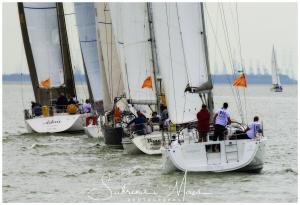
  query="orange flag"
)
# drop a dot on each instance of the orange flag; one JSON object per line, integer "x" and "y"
{"x": 240, "y": 81}
{"x": 147, "y": 82}
{"x": 46, "y": 83}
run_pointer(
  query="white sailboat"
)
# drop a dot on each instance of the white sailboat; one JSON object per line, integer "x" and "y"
{"x": 46, "y": 47}
{"x": 132, "y": 30}
{"x": 86, "y": 24}
{"x": 183, "y": 59}
{"x": 275, "y": 75}
{"x": 112, "y": 83}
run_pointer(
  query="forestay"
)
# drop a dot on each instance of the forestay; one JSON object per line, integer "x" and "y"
{"x": 131, "y": 29}
{"x": 86, "y": 23}
{"x": 111, "y": 66}
{"x": 181, "y": 55}
{"x": 42, "y": 26}
{"x": 275, "y": 76}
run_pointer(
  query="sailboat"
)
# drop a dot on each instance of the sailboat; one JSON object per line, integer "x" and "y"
{"x": 47, "y": 52}
{"x": 184, "y": 65}
{"x": 275, "y": 75}
{"x": 136, "y": 49}
{"x": 112, "y": 77}
{"x": 86, "y": 25}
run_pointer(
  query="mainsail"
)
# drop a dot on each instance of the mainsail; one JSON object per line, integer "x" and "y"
{"x": 182, "y": 57}
{"x": 131, "y": 28}
{"x": 275, "y": 75}
{"x": 47, "y": 52}
{"x": 112, "y": 77}
{"x": 86, "y": 24}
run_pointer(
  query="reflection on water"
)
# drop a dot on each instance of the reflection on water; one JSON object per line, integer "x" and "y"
{"x": 75, "y": 168}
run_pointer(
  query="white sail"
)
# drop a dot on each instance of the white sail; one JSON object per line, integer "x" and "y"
{"x": 111, "y": 67}
{"x": 181, "y": 57}
{"x": 275, "y": 75}
{"x": 131, "y": 29}
{"x": 42, "y": 26}
{"x": 86, "y": 23}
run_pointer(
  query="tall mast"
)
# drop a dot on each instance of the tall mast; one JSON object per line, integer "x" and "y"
{"x": 210, "y": 102}
{"x": 87, "y": 78}
{"x": 68, "y": 72}
{"x": 28, "y": 51}
{"x": 154, "y": 56}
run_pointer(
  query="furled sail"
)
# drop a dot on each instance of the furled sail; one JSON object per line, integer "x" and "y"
{"x": 86, "y": 23}
{"x": 112, "y": 77}
{"x": 44, "y": 37}
{"x": 131, "y": 28}
{"x": 275, "y": 75}
{"x": 180, "y": 47}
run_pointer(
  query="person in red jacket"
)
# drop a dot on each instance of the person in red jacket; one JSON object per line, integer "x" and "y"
{"x": 203, "y": 123}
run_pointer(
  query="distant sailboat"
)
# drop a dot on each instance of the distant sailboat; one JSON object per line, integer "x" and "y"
{"x": 47, "y": 51}
{"x": 275, "y": 75}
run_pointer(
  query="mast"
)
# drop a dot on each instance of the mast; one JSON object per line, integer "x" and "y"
{"x": 210, "y": 102}
{"x": 87, "y": 79}
{"x": 154, "y": 56}
{"x": 68, "y": 72}
{"x": 28, "y": 52}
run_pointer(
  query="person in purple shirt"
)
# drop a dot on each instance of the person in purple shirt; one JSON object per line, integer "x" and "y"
{"x": 87, "y": 106}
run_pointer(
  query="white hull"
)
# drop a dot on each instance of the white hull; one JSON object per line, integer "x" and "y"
{"x": 150, "y": 144}
{"x": 58, "y": 123}
{"x": 130, "y": 147}
{"x": 243, "y": 155}
{"x": 93, "y": 131}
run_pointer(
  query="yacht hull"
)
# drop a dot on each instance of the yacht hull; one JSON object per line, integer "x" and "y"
{"x": 58, "y": 123}
{"x": 196, "y": 157}
{"x": 93, "y": 131}
{"x": 150, "y": 144}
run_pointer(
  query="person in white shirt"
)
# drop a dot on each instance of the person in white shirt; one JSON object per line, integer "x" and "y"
{"x": 221, "y": 119}
{"x": 254, "y": 128}
{"x": 251, "y": 131}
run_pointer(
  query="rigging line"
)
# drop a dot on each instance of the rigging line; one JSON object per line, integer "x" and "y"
{"x": 184, "y": 59}
{"x": 184, "y": 54}
{"x": 111, "y": 57}
{"x": 220, "y": 53}
{"x": 107, "y": 53}
{"x": 171, "y": 61}
{"x": 228, "y": 46}
{"x": 237, "y": 90}
{"x": 215, "y": 49}
{"x": 241, "y": 58}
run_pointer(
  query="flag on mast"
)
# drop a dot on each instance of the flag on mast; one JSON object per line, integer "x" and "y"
{"x": 240, "y": 81}
{"x": 147, "y": 82}
{"x": 46, "y": 83}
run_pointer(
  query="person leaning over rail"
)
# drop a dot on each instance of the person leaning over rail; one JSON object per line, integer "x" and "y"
{"x": 251, "y": 131}
{"x": 203, "y": 117}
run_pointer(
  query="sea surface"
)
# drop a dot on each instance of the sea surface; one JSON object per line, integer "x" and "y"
{"x": 75, "y": 168}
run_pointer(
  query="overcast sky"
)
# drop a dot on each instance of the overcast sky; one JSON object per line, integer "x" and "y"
{"x": 261, "y": 25}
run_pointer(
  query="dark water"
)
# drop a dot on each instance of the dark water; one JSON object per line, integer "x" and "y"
{"x": 75, "y": 168}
